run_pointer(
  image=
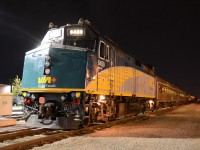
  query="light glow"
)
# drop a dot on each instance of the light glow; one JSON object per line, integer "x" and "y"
{"x": 102, "y": 97}
{"x": 47, "y": 57}
{"x": 151, "y": 102}
{"x": 47, "y": 64}
{"x": 42, "y": 100}
{"x": 33, "y": 97}
{"x": 76, "y": 32}
{"x": 47, "y": 71}
{"x": 62, "y": 98}
{"x": 55, "y": 33}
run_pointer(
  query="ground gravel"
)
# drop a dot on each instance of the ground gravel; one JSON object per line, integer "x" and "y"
{"x": 174, "y": 130}
{"x": 122, "y": 143}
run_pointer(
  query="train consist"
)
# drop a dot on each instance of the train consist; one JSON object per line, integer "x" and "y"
{"x": 77, "y": 77}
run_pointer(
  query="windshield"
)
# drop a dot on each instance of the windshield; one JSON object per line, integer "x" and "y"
{"x": 53, "y": 36}
{"x": 57, "y": 36}
{"x": 84, "y": 43}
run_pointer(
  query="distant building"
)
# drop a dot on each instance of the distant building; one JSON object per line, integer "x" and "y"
{"x": 5, "y": 89}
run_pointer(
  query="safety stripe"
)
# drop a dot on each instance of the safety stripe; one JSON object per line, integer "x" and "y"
{"x": 51, "y": 90}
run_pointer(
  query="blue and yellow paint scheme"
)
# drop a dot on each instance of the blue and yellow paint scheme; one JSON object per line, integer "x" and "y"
{"x": 122, "y": 81}
{"x": 77, "y": 76}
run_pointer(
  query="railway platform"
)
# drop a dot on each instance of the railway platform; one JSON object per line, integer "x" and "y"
{"x": 19, "y": 125}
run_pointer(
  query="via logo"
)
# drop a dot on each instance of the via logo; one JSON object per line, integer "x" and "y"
{"x": 44, "y": 80}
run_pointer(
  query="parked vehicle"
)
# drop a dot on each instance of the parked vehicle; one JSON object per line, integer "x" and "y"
{"x": 17, "y": 102}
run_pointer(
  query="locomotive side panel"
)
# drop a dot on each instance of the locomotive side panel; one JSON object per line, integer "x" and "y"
{"x": 145, "y": 85}
{"x": 119, "y": 81}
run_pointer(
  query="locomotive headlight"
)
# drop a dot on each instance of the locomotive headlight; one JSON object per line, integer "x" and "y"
{"x": 47, "y": 71}
{"x": 102, "y": 97}
{"x": 151, "y": 102}
{"x": 47, "y": 64}
{"x": 76, "y": 32}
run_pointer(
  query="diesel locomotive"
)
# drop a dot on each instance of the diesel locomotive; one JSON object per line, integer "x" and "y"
{"x": 78, "y": 77}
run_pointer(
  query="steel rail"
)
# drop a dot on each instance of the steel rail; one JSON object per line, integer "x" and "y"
{"x": 60, "y": 136}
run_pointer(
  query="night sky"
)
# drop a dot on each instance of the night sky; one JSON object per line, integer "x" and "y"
{"x": 160, "y": 33}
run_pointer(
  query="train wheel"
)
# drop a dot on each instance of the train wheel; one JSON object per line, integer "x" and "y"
{"x": 86, "y": 122}
{"x": 113, "y": 112}
{"x": 136, "y": 109}
{"x": 105, "y": 113}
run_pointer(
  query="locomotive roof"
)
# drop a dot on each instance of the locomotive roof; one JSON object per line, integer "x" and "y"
{"x": 99, "y": 34}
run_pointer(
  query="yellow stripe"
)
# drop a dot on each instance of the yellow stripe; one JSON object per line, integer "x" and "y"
{"x": 62, "y": 90}
{"x": 98, "y": 92}
{"x": 148, "y": 96}
{"x": 50, "y": 90}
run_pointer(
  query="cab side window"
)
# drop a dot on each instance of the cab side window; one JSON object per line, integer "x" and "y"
{"x": 104, "y": 51}
{"x": 107, "y": 53}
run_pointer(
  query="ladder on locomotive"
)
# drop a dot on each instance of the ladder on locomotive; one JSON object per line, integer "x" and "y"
{"x": 112, "y": 71}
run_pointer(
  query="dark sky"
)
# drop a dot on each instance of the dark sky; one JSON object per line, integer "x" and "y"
{"x": 161, "y": 33}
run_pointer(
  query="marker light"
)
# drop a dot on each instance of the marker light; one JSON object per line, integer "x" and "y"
{"x": 42, "y": 100}
{"x": 28, "y": 94}
{"x": 24, "y": 94}
{"x": 73, "y": 94}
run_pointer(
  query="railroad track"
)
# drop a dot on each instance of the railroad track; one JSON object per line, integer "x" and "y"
{"x": 36, "y": 137}
{"x": 29, "y": 138}
{"x": 4, "y": 136}
{"x": 8, "y": 132}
